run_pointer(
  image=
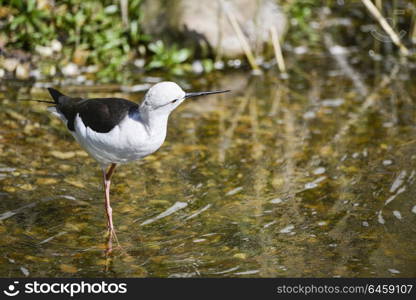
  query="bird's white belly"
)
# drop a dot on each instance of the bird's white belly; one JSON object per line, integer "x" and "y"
{"x": 126, "y": 142}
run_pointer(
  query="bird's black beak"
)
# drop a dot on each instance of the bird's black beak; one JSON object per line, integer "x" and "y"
{"x": 196, "y": 94}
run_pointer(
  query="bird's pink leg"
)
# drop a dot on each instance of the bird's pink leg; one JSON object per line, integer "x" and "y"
{"x": 109, "y": 211}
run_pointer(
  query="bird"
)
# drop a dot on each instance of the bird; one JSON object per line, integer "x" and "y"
{"x": 116, "y": 131}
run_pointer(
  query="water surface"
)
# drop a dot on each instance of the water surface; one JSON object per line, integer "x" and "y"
{"x": 307, "y": 176}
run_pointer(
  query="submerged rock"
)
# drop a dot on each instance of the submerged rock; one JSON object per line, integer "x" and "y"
{"x": 204, "y": 23}
{"x": 70, "y": 69}
{"x": 22, "y": 71}
{"x": 10, "y": 64}
{"x": 62, "y": 155}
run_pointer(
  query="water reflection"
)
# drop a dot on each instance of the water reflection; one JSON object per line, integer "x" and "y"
{"x": 300, "y": 177}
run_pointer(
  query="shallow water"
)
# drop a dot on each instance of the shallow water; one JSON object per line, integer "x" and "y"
{"x": 309, "y": 176}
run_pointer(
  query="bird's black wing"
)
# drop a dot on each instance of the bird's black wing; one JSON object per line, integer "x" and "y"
{"x": 99, "y": 114}
{"x": 103, "y": 114}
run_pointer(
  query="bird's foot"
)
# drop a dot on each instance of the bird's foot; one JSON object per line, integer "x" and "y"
{"x": 112, "y": 235}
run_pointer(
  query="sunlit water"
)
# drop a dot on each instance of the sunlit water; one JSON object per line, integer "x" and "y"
{"x": 281, "y": 178}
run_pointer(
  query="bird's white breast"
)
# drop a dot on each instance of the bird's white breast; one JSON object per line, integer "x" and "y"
{"x": 127, "y": 141}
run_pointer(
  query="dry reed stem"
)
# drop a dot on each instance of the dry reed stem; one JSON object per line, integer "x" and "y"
{"x": 243, "y": 41}
{"x": 277, "y": 50}
{"x": 124, "y": 4}
{"x": 386, "y": 26}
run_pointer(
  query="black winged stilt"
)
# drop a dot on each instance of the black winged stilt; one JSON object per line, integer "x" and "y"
{"x": 117, "y": 131}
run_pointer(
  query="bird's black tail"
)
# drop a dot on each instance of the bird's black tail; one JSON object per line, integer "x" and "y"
{"x": 55, "y": 94}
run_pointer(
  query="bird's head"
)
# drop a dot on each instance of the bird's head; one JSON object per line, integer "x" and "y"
{"x": 166, "y": 96}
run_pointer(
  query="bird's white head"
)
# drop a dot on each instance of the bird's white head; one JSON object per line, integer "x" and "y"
{"x": 165, "y": 96}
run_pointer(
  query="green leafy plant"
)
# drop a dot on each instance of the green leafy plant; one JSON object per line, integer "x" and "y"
{"x": 96, "y": 27}
{"x": 27, "y": 25}
{"x": 171, "y": 58}
{"x": 301, "y": 13}
{"x": 91, "y": 32}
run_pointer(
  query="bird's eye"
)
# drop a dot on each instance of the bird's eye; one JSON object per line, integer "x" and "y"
{"x": 174, "y": 101}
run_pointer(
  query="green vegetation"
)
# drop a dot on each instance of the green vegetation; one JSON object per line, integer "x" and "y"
{"x": 29, "y": 25}
{"x": 69, "y": 36}
{"x": 302, "y": 14}
{"x": 95, "y": 29}
{"x": 92, "y": 32}
{"x": 169, "y": 58}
